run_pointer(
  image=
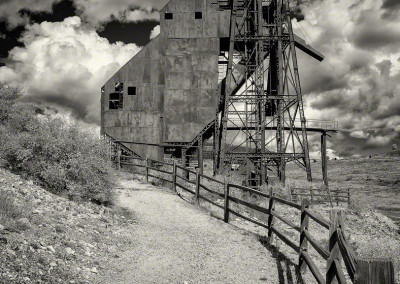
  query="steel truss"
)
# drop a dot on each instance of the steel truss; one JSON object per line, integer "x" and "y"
{"x": 262, "y": 89}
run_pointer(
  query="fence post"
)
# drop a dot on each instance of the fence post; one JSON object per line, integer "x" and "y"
{"x": 371, "y": 271}
{"x": 226, "y": 203}
{"x": 270, "y": 216}
{"x": 337, "y": 196}
{"x": 348, "y": 196}
{"x": 334, "y": 250}
{"x": 198, "y": 186}
{"x": 305, "y": 204}
{"x": 119, "y": 159}
{"x": 312, "y": 194}
{"x": 174, "y": 176}
{"x": 147, "y": 169}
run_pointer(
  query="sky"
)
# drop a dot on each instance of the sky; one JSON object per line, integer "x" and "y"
{"x": 60, "y": 52}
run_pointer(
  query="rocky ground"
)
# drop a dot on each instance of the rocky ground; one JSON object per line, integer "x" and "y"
{"x": 45, "y": 238}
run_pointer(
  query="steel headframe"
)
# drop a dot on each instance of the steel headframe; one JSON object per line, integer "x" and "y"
{"x": 256, "y": 124}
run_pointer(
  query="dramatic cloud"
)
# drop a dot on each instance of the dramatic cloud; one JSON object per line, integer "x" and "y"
{"x": 97, "y": 12}
{"x": 65, "y": 64}
{"x": 155, "y": 32}
{"x": 94, "y": 12}
{"x": 9, "y": 9}
{"x": 358, "y": 84}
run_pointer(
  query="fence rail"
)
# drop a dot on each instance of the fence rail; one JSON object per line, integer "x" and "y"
{"x": 339, "y": 248}
{"x": 318, "y": 196}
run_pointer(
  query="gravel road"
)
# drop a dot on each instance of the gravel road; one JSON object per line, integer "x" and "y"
{"x": 175, "y": 242}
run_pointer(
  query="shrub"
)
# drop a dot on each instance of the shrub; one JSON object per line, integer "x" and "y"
{"x": 64, "y": 157}
{"x": 9, "y": 210}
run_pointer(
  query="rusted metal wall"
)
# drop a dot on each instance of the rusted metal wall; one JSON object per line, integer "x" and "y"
{"x": 191, "y": 48}
{"x": 176, "y": 76}
{"x": 139, "y": 120}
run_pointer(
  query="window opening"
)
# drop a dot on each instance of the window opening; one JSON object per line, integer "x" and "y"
{"x": 169, "y": 16}
{"x": 117, "y": 98}
{"x": 198, "y": 15}
{"x": 131, "y": 91}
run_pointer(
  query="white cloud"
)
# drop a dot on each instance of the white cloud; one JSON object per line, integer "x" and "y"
{"x": 155, "y": 32}
{"x": 94, "y": 12}
{"x": 65, "y": 64}
{"x": 141, "y": 15}
{"x": 9, "y": 9}
{"x": 97, "y": 12}
{"x": 358, "y": 83}
{"x": 359, "y": 134}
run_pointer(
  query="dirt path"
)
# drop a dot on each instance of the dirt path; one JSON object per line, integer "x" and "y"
{"x": 175, "y": 242}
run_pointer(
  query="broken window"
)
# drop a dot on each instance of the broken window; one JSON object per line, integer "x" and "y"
{"x": 131, "y": 91}
{"x": 117, "y": 98}
{"x": 119, "y": 87}
{"x": 115, "y": 101}
{"x": 198, "y": 15}
{"x": 169, "y": 16}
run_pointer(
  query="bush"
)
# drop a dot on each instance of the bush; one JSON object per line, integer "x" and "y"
{"x": 57, "y": 152}
{"x": 10, "y": 211}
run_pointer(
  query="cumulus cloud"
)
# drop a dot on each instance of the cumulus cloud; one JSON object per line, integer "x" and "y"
{"x": 155, "y": 32}
{"x": 9, "y": 9}
{"x": 141, "y": 15}
{"x": 358, "y": 84}
{"x": 65, "y": 64}
{"x": 94, "y": 12}
{"x": 97, "y": 12}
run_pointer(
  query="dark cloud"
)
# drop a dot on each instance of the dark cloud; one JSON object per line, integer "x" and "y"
{"x": 374, "y": 37}
{"x": 138, "y": 33}
{"x": 329, "y": 100}
{"x": 391, "y": 8}
{"x": 390, "y": 4}
{"x": 60, "y": 11}
{"x": 373, "y": 32}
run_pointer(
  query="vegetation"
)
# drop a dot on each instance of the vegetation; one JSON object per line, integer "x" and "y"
{"x": 56, "y": 152}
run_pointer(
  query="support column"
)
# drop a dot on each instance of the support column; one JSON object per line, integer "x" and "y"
{"x": 200, "y": 155}
{"x": 324, "y": 159}
{"x": 185, "y": 162}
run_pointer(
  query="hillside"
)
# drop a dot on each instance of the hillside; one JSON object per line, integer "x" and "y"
{"x": 45, "y": 238}
{"x": 374, "y": 182}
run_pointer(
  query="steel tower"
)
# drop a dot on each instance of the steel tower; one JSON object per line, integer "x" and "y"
{"x": 260, "y": 122}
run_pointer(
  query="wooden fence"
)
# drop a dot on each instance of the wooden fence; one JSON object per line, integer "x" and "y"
{"x": 339, "y": 250}
{"x": 321, "y": 195}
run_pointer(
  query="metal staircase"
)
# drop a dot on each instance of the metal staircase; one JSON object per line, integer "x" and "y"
{"x": 116, "y": 147}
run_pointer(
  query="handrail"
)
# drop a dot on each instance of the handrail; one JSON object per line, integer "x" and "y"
{"x": 212, "y": 191}
{"x": 286, "y": 221}
{"x": 313, "y": 268}
{"x": 249, "y": 190}
{"x": 323, "y": 252}
{"x": 317, "y": 218}
{"x": 211, "y": 179}
{"x": 248, "y": 204}
{"x": 287, "y": 202}
{"x": 185, "y": 169}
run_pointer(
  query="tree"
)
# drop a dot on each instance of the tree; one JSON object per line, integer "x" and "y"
{"x": 394, "y": 147}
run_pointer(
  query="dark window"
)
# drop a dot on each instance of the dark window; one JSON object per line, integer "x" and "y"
{"x": 169, "y": 16}
{"x": 119, "y": 87}
{"x": 198, "y": 15}
{"x": 116, "y": 101}
{"x": 131, "y": 91}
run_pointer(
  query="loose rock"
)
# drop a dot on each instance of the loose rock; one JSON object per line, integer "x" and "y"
{"x": 23, "y": 224}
